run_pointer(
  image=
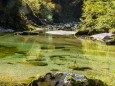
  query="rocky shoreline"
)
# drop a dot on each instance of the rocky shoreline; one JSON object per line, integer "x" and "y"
{"x": 64, "y": 29}
{"x": 53, "y": 29}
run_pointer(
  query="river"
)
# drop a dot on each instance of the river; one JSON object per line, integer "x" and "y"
{"x": 22, "y": 57}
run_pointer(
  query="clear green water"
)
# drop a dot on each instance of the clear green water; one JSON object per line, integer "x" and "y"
{"x": 22, "y": 57}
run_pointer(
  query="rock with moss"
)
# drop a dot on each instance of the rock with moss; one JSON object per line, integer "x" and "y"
{"x": 65, "y": 79}
{"x": 20, "y": 14}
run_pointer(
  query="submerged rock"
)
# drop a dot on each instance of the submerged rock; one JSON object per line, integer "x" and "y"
{"x": 107, "y": 38}
{"x": 65, "y": 79}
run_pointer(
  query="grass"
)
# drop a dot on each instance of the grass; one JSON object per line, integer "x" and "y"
{"x": 43, "y": 54}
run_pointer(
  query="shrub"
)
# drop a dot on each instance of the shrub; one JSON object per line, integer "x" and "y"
{"x": 98, "y": 14}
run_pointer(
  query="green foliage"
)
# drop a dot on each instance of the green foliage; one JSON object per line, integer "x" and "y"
{"x": 98, "y": 15}
{"x": 112, "y": 31}
{"x": 42, "y": 8}
{"x": 46, "y": 10}
{"x": 25, "y": 14}
{"x": 34, "y": 5}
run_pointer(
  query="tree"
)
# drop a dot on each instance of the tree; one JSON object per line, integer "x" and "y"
{"x": 98, "y": 15}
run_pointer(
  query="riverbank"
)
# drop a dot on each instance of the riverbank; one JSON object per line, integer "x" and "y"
{"x": 66, "y": 29}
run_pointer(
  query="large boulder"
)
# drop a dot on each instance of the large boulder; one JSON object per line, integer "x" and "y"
{"x": 66, "y": 79}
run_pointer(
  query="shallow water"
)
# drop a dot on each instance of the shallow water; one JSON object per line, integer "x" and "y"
{"x": 22, "y": 57}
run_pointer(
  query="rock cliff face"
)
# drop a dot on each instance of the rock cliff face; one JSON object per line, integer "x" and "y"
{"x": 25, "y": 15}
{"x": 17, "y": 14}
{"x": 9, "y": 13}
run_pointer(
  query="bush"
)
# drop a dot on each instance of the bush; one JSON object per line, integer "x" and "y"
{"x": 98, "y": 15}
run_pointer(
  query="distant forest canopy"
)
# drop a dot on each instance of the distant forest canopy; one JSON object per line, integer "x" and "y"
{"x": 26, "y": 14}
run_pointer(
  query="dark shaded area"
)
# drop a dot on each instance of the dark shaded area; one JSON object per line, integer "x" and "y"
{"x": 26, "y": 33}
{"x": 36, "y": 63}
{"x": 57, "y": 47}
{"x": 33, "y": 18}
{"x": 9, "y": 14}
{"x": 34, "y": 83}
{"x": 67, "y": 10}
{"x": 83, "y": 68}
{"x": 4, "y": 2}
{"x": 111, "y": 42}
{"x": 96, "y": 82}
{"x": 88, "y": 32}
{"x": 12, "y": 15}
{"x": 60, "y": 56}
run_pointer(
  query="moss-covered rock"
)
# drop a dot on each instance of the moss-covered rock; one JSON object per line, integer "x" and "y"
{"x": 19, "y": 14}
{"x": 60, "y": 79}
